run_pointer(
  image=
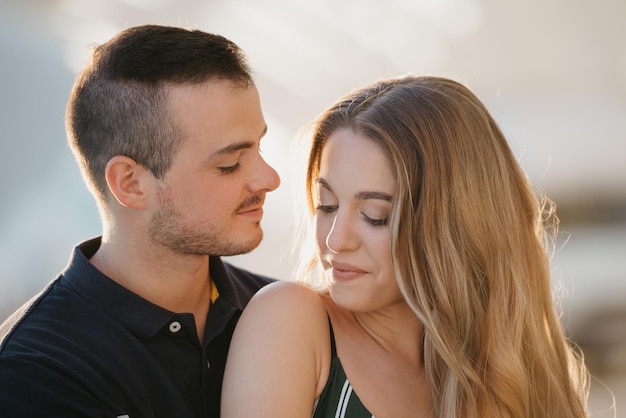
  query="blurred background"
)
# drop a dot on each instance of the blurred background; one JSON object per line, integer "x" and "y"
{"x": 552, "y": 72}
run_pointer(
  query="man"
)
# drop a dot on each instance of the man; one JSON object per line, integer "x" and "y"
{"x": 165, "y": 124}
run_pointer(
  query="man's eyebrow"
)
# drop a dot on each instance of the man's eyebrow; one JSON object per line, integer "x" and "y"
{"x": 231, "y": 148}
{"x": 359, "y": 195}
{"x": 237, "y": 146}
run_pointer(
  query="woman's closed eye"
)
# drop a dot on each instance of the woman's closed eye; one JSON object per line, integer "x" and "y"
{"x": 375, "y": 221}
{"x": 326, "y": 208}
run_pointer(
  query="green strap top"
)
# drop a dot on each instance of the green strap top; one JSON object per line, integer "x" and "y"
{"x": 338, "y": 400}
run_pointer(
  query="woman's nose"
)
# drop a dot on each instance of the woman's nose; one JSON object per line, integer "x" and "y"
{"x": 341, "y": 236}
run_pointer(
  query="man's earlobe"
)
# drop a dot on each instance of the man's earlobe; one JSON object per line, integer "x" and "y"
{"x": 126, "y": 179}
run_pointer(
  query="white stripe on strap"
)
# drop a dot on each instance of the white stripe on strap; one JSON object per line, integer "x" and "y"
{"x": 346, "y": 390}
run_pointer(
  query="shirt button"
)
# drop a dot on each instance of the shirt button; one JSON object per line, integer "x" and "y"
{"x": 175, "y": 327}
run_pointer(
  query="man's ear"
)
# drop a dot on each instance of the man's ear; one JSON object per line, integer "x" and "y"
{"x": 128, "y": 181}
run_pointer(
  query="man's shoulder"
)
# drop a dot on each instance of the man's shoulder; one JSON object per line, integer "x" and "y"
{"x": 29, "y": 362}
{"x": 237, "y": 284}
{"x": 12, "y": 323}
{"x": 59, "y": 319}
{"x": 247, "y": 278}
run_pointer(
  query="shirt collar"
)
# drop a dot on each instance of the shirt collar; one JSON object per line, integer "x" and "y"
{"x": 139, "y": 316}
{"x": 225, "y": 283}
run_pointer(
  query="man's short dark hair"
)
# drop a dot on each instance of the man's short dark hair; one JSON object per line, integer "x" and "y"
{"x": 118, "y": 103}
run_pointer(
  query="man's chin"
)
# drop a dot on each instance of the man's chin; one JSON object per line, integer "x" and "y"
{"x": 242, "y": 248}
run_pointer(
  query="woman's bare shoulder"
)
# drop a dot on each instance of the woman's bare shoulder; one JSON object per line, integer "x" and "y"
{"x": 286, "y": 312}
{"x": 285, "y": 297}
{"x": 279, "y": 355}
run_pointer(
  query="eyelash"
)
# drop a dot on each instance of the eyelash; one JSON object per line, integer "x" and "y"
{"x": 373, "y": 222}
{"x": 326, "y": 208}
{"x": 376, "y": 222}
{"x": 229, "y": 170}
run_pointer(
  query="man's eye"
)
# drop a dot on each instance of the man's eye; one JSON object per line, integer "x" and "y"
{"x": 230, "y": 169}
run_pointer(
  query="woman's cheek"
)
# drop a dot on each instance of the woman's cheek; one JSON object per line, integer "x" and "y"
{"x": 322, "y": 227}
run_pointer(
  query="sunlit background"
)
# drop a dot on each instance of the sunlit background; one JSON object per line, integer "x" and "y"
{"x": 553, "y": 72}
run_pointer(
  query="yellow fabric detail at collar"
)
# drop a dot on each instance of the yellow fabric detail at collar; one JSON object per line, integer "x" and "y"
{"x": 214, "y": 293}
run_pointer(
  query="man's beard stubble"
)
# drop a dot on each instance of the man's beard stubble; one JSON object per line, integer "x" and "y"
{"x": 168, "y": 229}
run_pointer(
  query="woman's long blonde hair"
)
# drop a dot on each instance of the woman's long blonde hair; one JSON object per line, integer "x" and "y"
{"x": 470, "y": 244}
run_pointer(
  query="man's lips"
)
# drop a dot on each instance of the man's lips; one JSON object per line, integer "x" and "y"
{"x": 253, "y": 211}
{"x": 252, "y": 206}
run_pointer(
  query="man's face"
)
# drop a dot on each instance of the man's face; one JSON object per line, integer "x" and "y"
{"x": 211, "y": 199}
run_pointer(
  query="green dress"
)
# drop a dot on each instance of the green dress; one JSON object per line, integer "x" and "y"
{"x": 338, "y": 400}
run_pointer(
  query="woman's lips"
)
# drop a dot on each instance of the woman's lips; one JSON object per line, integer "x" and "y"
{"x": 345, "y": 272}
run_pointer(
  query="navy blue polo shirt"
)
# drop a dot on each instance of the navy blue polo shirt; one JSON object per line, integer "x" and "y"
{"x": 88, "y": 347}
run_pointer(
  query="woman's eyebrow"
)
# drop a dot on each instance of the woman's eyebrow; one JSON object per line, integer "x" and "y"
{"x": 373, "y": 195}
{"x": 359, "y": 195}
{"x": 323, "y": 183}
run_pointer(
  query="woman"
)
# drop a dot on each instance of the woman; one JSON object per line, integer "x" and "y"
{"x": 436, "y": 300}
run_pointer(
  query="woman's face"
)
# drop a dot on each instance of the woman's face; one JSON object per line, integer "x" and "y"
{"x": 353, "y": 199}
